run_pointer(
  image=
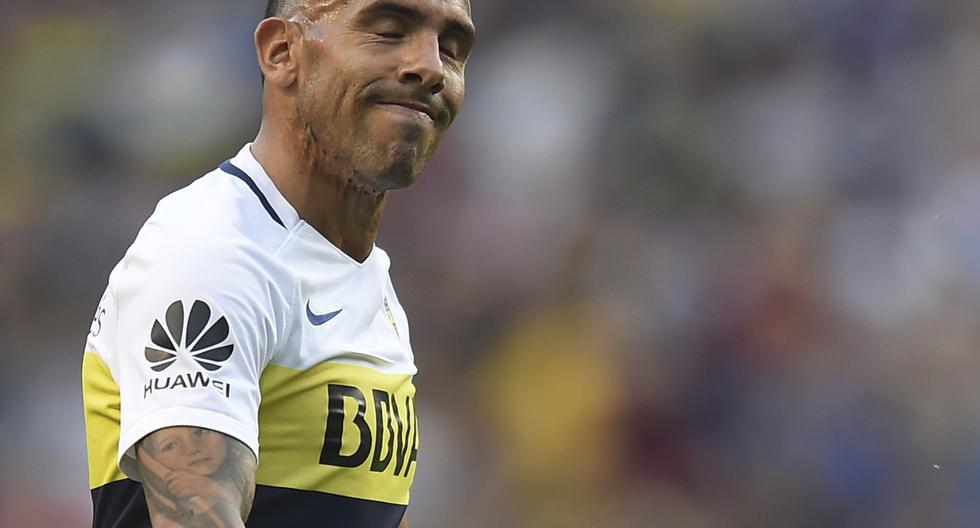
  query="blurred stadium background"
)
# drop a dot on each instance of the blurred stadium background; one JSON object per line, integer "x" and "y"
{"x": 681, "y": 263}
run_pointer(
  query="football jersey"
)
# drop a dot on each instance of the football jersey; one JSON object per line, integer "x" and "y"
{"x": 231, "y": 313}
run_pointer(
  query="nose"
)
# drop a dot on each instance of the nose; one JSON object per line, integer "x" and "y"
{"x": 195, "y": 444}
{"x": 422, "y": 65}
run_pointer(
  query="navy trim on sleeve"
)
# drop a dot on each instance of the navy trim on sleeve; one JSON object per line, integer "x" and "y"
{"x": 240, "y": 174}
{"x": 120, "y": 504}
{"x": 275, "y": 507}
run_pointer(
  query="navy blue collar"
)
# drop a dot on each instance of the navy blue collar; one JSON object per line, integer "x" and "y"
{"x": 241, "y": 175}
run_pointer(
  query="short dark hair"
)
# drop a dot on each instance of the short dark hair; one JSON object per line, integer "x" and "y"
{"x": 274, "y": 8}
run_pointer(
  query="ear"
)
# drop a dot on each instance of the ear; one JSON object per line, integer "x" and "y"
{"x": 276, "y": 46}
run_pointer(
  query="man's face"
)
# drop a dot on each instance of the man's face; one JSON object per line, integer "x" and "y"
{"x": 380, "y": 84}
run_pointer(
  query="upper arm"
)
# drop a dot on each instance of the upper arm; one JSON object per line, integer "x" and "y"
{"x": 194, "y": 328}
{"x": 196, "y": 477}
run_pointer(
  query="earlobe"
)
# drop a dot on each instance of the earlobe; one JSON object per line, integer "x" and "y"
{"x": 274, "y": 47}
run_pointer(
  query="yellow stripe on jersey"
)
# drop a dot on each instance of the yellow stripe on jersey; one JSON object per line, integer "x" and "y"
{"x": 338, "y": 428}
{"x": 100, "y": 395}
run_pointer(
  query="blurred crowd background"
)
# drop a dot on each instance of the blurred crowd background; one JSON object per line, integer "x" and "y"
{"x": 680, "y": 263}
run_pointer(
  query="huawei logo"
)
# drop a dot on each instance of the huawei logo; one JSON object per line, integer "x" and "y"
{"x": 206, "y": 346}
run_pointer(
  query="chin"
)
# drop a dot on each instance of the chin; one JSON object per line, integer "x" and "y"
{"x": 400, "y": 168}
{"x": 397, "y": 176}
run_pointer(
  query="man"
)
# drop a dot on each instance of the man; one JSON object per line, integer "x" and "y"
{"x": 249, "y": 358}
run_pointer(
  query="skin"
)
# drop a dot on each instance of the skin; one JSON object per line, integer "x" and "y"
{"x": 197, "y": 451}
{"x": 356, "y": 98}
{"x": 196, "y": 477}
{"x": 336, "y": 132}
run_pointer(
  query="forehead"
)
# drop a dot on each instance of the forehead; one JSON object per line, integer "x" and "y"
{"x": 315, "y": 9}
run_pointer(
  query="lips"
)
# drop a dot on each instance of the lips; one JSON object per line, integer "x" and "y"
{"x": 413, "y": 107}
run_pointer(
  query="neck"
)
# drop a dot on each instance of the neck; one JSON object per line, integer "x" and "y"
{"x": 328, "y": 196}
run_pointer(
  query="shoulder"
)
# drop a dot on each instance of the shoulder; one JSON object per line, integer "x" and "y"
{"x": 219, "y": 207}
{"x": 210, "y": 230}
{"x": 206, "y": 243}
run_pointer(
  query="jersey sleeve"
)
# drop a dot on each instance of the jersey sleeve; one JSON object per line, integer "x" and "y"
{"x": 196, "y": 320}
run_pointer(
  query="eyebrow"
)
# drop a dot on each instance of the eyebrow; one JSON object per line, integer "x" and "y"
{"x": 452, "y": 25}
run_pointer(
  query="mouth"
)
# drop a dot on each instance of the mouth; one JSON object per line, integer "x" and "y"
{"x": 200, "y": 461}
{"x": 411, "y": 108}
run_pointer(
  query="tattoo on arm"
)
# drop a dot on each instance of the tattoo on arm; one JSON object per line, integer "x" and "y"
{"x": 196, "y": 477}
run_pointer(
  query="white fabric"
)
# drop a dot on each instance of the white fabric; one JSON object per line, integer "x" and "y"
{"x": 214, "y": 242}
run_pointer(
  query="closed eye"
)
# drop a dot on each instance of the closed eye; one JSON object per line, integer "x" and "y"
{"x": 455, "y": 45}
{"x": 393, "y": 36}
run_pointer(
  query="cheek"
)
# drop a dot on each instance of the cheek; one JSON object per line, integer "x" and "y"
{"x": 171, "y": 458}
{"x": 455, "y": 93}
{"x": 215, "y": 447}
{"x": 327, "y": 101}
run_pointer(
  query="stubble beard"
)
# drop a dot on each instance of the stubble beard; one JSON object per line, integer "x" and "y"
{"x": 360, "y": 159}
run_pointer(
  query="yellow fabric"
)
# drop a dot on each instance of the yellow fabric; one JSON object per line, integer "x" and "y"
{"x": 292, "y": 429}
{"x": 100, "y": 395}
{"x": 293, "y": 423}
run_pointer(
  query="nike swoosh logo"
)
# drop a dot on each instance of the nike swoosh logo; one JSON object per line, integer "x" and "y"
{"x": 318, "y": 319}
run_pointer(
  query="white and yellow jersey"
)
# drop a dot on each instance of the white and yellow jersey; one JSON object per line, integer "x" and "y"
{"x": 230, "y": 312}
